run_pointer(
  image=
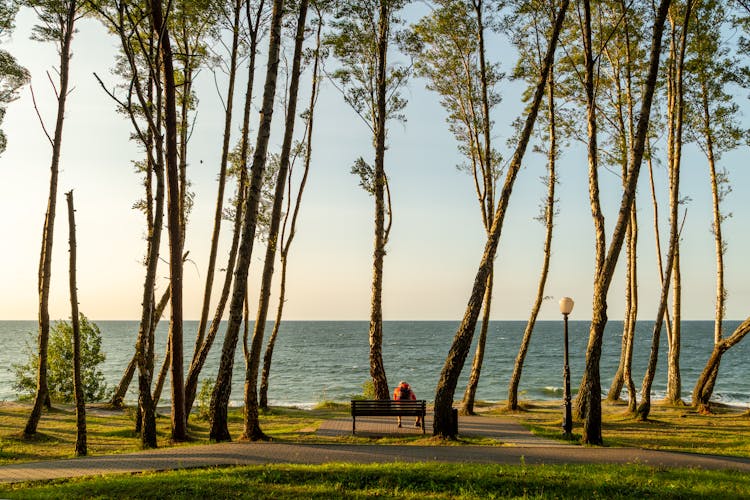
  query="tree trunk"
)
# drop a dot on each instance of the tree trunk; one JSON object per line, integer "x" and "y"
{"x": 718, "y": 238}
{"x": 443, "y": 419}
{"x": 199, "y": 359}
{"x": 252, "y": 428}
{"x": 591, "y": 387}
{"x": 41, "y": 397}
{"x": 201, "y": 353}
{"x": 220, "y": 397}
{"x": 674, "y": 384}
{"x": 549, "y": 212}
{"x": 584, "y": 398}
{"x": 704, "y": 385}
{"x": 174, "y": 226}
{"x": 80, "y": 403}
{"x": 467, "y": 405}
{"x": 377, "y": 370}
{"x": 218, "y": 214}
{"x": 118, "y": 395}
{"x": 287, "y": 242}
{"x": 162, "y": 377}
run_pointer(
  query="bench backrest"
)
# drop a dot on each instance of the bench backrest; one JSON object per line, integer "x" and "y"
{"x": 386, "y": 407}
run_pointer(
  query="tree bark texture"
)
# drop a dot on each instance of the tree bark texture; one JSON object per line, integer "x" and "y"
{"x": 377, "y": 369}
{"x": 174, "y": 226}
{"x": 591, "y": 385}
{"x": 41, "y": 398}
{"x": 703, "y": 386}
{"x": 252, "y": 428}
{"x": 80, "y": 448}
{"x": 220, "y": 397}
{"x": 467, "y": 405}
{"x": 200, "y": 355}
{"x": 443, "y": 419}
{"x": 286, "y": 242}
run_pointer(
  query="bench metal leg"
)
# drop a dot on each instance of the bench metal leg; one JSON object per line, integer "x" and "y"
{"x": 354, "y": 422}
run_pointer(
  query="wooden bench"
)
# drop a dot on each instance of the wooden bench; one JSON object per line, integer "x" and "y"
{"x": 387, "y": 408}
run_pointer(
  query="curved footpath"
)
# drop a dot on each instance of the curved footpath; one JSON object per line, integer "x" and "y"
{"x": 519, "y": 446}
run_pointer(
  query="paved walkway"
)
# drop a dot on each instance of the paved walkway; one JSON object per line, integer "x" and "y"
{"x": 518, "y": 446}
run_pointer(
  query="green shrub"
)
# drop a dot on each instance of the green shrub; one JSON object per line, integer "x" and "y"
{"x": 204, "y": 398}
{"x": 60, "y": 363}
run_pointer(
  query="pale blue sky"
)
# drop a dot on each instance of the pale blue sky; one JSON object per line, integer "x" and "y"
{"x": 437, "y": 238}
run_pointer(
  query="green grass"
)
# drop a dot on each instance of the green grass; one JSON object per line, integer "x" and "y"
{"x": 400, "y": 480}
{"x": 669, "y": 428}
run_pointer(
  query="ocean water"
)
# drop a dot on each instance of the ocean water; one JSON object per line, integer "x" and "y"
{"x": 328, "y": 360}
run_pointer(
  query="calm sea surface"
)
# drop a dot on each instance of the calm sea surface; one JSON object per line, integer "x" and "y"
{"x": 328, "y": 360}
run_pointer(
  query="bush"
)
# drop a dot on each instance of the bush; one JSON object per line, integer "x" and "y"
{"x": 204, "y": 398}
{"x": 60, "y": 363}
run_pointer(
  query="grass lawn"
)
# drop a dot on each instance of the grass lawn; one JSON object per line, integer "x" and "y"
{"x": 670, "y": 428}
{"x": 422, "y": 481}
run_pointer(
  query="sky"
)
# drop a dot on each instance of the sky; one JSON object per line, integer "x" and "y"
{"x": 437, "y": 237}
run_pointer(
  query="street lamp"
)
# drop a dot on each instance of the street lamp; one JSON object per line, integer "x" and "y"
{"x": 566, "y": 306}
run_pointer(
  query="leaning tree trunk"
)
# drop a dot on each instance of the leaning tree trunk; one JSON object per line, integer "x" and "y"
{"x": 199, "y": 359}
{"x": 286, "y": 245}
{"x": 201, "y": 353}
{"x": 77, "y": 382}
{"x": 118, "y": 396}
{"x": 219, "y": 430}
{"x": 219, "y": 212}
{"x": 41, "y": 397}
{"x": 252, "y": 428}
{"x": 467, "y": 405}
{"x": 549, "y": 212}
{"x": 591, "y": 385}
{"x": 704, "y": 385}
{"x": 487, "y": 198}
{"x": 443, "y": 419}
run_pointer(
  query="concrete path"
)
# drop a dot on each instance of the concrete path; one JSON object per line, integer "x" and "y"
{"x": 518, "y": 446}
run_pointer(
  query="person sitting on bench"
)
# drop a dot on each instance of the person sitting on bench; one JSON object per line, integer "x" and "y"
{"x": 404, "y": 393}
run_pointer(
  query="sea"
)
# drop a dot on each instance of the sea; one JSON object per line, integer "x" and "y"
{"x": 318, "y": 361}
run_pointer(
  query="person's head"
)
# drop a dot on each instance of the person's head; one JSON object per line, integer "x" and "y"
{"x": 403, "y": 384}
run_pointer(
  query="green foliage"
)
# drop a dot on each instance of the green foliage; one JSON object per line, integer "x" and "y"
{"x": 12, "y": 75}
{"x": 354, "y": 43}
{"x": 446, "y": 51}
{"x": 60, "y": 363}
{"x": 204, "y": 398}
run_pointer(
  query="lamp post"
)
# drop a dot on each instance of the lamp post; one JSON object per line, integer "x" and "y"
{"x": 566, "y": 306}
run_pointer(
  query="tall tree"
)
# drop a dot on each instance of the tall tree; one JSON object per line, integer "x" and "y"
{"x": 252, "y": 428}
{"x": 364, "y": 29}
{"x": 449, "y": 52}
{"x": 590, "y": 394}
{"x": 254, "y": 13}
{"x": 220, "y": 396}
{"x": 288, "y": 229}
{"x": 12, "y": 75}
{"x": 174, "y": 222}
{"x": 141, "y": 69}
{"x": 443, "y": 424}
{"x": 77, "y": 381}
{"x": 528, "y": 68}
{"x": 714, "y": 126}
{"x": 57, "y": 24}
